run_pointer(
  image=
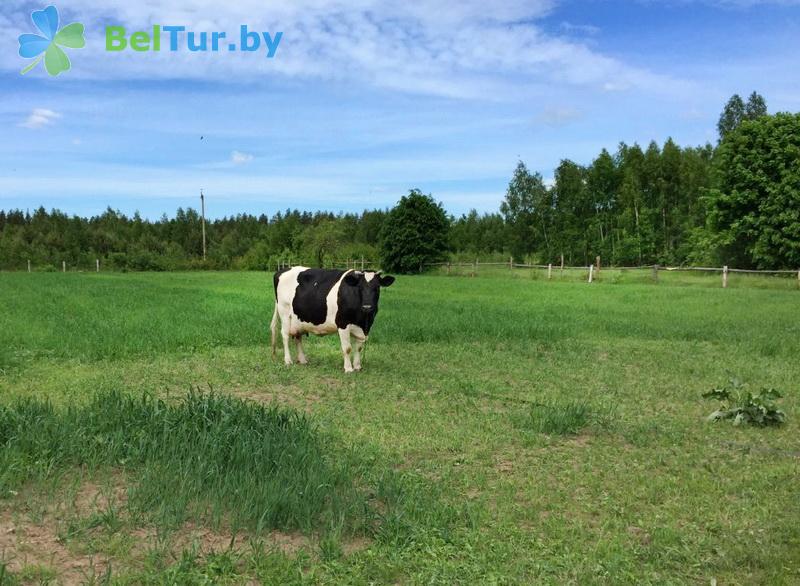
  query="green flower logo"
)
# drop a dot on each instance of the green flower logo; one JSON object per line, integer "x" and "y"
{"x": 48, "y": 45}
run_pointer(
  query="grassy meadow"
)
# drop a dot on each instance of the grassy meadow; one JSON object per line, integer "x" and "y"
{"x": 506, "y": 429}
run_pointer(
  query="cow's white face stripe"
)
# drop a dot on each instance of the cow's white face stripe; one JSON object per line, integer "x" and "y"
{"x": 369, "y": 276}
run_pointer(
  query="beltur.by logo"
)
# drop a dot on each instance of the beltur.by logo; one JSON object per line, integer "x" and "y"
{"x": 117, "y": 39}
{"x": 48, "y": 45}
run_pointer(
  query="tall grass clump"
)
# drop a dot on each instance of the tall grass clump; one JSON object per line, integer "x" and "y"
{"x": 257, "y": 466}
{"x": 566, "y": 418}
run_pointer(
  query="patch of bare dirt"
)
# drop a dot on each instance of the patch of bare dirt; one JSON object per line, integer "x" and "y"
{"x": 23, "y": 543}
{"x": 639, "y": 535}
{"x": 581, "y": 440}
{"x": 355, "y": 545}
{"x": 473, "y": 493}
{"x": 92, "y": 496}
{"x": 292, "y": 397}
{"x": 330, "y": 382}
{"x": 504, "y": 466}
{"x": 208, "y": 540}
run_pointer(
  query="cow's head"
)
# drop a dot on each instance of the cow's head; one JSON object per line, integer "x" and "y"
{"x": 368, "y": 285}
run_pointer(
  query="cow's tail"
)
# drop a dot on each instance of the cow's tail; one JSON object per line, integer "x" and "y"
{"x": 274, "y": 326}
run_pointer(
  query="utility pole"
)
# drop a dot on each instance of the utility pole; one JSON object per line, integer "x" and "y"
{"x": 203, "y": 216}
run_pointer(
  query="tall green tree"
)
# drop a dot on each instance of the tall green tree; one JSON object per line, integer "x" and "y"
{"x": 602, "y": 183}
{"x": 737, "y": 111}
{"x": 755, "y": 206}
{"x": 323, "y": 241}
{"x": 672, "y": 198}
{"x": 416, "y": 231}
{"x": 527, "y": 211}
{"x": 756, "y": 106}
{"x": 732, "y": 115}
{"x": 572, "y": 209}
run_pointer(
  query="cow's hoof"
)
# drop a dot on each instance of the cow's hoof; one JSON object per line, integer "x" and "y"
{"x": 287, "y": 362}
{"x": 357, "y": 368}
{"x": 348, "y": 370}
{"x": 302, "y": 361}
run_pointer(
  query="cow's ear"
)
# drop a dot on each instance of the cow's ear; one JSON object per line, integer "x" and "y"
{"x": 352, "y": 279}
{"x": 385, "y": 280}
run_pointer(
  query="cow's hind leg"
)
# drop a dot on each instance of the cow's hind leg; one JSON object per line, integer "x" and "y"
{"x": 287, "y": 356}
{"x": 344, "y": 337}
{"x": 298, "y": 344}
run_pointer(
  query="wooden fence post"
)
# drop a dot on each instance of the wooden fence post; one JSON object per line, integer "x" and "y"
{"x": 597, "y": 261}
{"x": 591, "y": 271}
{"x": 549, "y": 271}
{"x": 448, "y": 267}
{"x": 97, "y": 264}
{"x": 63, "y": 266}
{"x": 562, "y": 266}
{"x": 725, "y": 277}
{"x": 510, "y": 263}
{"x": 798, "y": 277}
{"x": 29, "y": 268}
{"x": 475, "y": 268}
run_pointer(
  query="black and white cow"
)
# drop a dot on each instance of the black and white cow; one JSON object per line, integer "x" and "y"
{"x": 324, "y": 301}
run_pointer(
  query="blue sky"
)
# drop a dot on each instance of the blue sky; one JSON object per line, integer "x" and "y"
{"x": 365, "y": 99}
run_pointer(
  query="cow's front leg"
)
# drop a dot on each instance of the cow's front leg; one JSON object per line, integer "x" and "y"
{"x": 287, "y": 356}
{"x": 301, "y": 356}
{"x": 344, "y": 337}
{"x": 360, "y": 339}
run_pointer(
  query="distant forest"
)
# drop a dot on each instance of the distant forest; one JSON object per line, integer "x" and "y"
{"x": 663, "y": 204}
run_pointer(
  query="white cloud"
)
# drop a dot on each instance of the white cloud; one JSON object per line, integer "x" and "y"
{"x": 464, "y": 49}
{"x": 39, "y": 118}
{"x": 752, "y": 3}
{"x": 584, "y": 29}
{"x": 239, "y": 158}
{"x": 558, "y": 116}
{"x": 693, "y": 114}
{"x": 616, "y": 86}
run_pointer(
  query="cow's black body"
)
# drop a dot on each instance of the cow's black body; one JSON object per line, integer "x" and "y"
{"x": 310, "y": 301}
{"x": 302, "y": 305}
{"x": 313, "y": 287}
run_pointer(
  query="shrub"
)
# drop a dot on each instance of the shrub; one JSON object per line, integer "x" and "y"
{"x": 744, "y": 407}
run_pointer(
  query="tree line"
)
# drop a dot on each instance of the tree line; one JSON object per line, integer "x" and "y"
{"x": 244, "y": 241}
{"x": 735, "y": 203}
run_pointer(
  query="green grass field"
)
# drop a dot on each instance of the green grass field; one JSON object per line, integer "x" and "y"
{"x": 504, "y": 430}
